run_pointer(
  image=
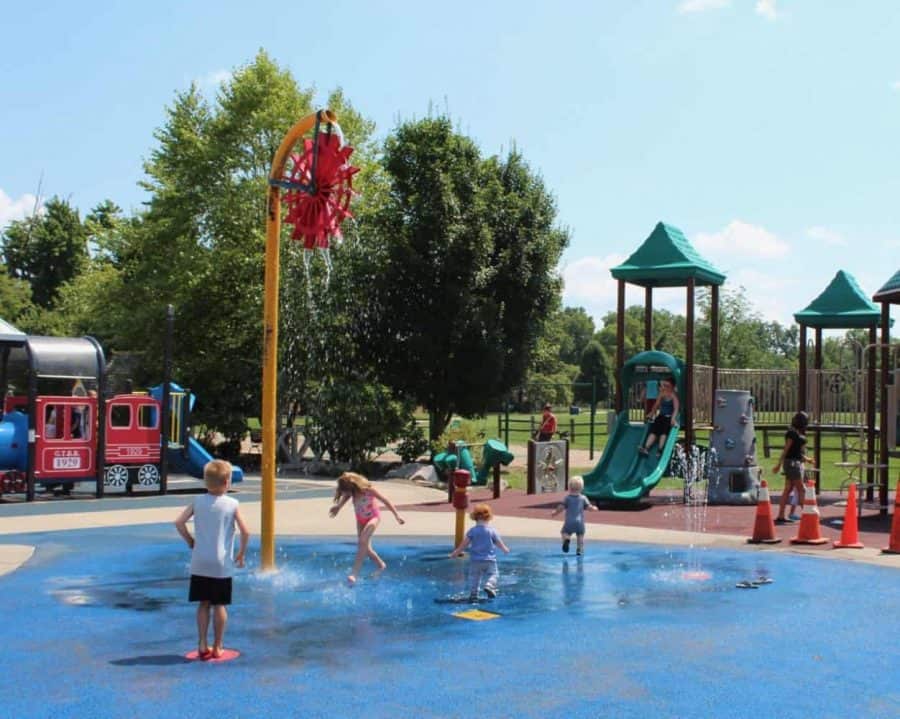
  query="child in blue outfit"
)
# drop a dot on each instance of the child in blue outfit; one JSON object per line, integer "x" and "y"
{"x": 574, "y": 506}
{"x": 481, "y": 540}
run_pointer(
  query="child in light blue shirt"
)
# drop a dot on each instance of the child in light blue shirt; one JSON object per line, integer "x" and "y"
{"x": 481, "y": 540}
{"x": 574, "y": 505}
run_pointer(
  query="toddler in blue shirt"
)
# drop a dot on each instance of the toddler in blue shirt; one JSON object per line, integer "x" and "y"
{"x": 481, "y": 540}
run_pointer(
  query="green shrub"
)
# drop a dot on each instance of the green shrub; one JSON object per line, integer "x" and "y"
{"x": 466, "y": 430}
{"x": 352, "y": 420}
{"x": 413, "y": 443}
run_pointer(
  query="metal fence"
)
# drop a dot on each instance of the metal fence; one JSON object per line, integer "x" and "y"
{"x": 836, "y": 397}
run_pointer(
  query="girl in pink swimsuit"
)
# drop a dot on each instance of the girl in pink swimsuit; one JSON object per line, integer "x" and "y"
{"x": 368, "y": 515}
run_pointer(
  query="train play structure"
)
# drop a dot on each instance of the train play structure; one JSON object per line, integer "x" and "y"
{"x": 59, "y": 427}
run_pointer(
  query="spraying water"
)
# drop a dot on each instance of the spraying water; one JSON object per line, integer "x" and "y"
{"x": 697, "y": 467}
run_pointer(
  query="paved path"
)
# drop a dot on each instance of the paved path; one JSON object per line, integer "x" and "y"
{"x": 302, "y": 509}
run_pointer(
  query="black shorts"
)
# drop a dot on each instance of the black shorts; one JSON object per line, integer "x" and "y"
{"x": 215, "y": 590}
{"x": 661, "y": 425}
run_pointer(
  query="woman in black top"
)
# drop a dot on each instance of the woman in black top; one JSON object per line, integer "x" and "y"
{"x": 792, "y": 457}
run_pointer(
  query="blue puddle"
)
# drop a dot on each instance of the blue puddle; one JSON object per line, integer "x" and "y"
{"x": 96, "y": 625}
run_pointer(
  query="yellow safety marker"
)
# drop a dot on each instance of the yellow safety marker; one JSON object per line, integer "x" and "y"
{"x": 476, "y": 615}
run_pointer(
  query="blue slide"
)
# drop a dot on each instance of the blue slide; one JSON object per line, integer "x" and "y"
{"x": 623, "y": 474}
{"x": 196, "y": 459}
{"x": 192, "y": 458}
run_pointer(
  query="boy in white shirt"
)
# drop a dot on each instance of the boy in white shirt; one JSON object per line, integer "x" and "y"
{"x": 215, "y": 516}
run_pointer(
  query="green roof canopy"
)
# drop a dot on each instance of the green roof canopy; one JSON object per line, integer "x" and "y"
{"x": 667, "y": 259}
{"x": 842, "y": 305}
{"x": 890, "y": 291}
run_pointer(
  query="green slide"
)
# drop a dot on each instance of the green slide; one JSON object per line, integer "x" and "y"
{"x": 624, "y": 474}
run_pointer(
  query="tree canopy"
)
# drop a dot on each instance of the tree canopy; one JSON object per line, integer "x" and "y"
{"x": 464, "y": 257}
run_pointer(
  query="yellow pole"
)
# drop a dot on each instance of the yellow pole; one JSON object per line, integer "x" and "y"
{"x": 270, "y": 334}
{"x": 460, "y": 527}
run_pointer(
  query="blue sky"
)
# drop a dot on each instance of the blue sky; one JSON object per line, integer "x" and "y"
{"x": 767, "y": 130}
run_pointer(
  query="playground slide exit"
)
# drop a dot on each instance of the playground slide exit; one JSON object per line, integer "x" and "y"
{"x": 193, "y": 458}
{"x": 623, "y": 474}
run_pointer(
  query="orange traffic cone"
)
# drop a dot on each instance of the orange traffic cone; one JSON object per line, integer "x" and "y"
{"x": 809, "y": 523}
{"x": 763, "y": 526}
{"x": 894, "y": 544}
{"x": 850, "y": 531}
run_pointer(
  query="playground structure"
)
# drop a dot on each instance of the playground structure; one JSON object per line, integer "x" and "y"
{"x": 548, "y": 466}
{"x": 845, "y": 401}
{"x": 737, "y": 476}
{"x": 59, "y": 427}
{"x": 623, "y": 474}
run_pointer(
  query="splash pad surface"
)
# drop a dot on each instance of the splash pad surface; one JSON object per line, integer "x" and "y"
{"x": 626, "y": 631}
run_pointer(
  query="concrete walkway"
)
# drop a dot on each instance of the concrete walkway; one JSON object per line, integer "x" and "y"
{"x": 302, "y": 509}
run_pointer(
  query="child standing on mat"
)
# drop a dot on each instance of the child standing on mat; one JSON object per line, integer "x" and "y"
{"x": 368, "y": 515}
{"x": 666, "y": 408}
{"x": 481, "y": 540}
{"x": 215, "y": 516}
{"x": 574, "y": 505}
{"x": 793, "y": 457}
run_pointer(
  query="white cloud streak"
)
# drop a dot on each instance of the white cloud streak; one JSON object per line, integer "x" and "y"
{"x": 214, "y": 78}
{"x": 741, "y": 239}
{"x": 826, "y": 236}
{"x": 687, "y": 7}
{"x": 17, "y": 209}
{"x": 767, "y": 8}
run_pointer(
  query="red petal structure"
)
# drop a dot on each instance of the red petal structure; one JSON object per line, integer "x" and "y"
{"x": 317, "y": 216}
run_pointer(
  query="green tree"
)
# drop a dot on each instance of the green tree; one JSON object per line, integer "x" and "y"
{"x": 594, "y": 366}
{"x": 199, "y": 246}
{"x": 464, "y": 252}
{"x": 46, "y": 250}
{"x": 15, "y": 298}
{"x": 578, "y": 331}
{"x": 668, "y": 332}
{"x": 746, "y": 340}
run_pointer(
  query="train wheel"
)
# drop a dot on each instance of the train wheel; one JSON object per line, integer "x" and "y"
{"x": 116, "y": 476}
{"x": 20, "y": 485}
{"x": 148, "y": 475}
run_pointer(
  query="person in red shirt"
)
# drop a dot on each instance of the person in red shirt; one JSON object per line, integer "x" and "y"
{"x": 548, "y": 425}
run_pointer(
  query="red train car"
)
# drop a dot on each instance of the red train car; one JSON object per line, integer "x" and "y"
{"x": 133, "y": 446}
{"x": 58, "y": 428}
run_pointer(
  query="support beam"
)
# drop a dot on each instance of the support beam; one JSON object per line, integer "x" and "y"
{"x": 620, "y": 344}
{"x": 871, "y": 361}
{"x": 648, "y": 318}
{"x": 714, "y": 347}
{"x": 801, "y": 380}
{"x": 818, "y": 366}
{"x": 688, "y": 398}
{"x": 883, "y": 458}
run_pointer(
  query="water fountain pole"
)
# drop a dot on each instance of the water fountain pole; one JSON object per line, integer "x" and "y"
{"x": 270, "y": 332}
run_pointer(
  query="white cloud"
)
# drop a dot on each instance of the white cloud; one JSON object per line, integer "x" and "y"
{"x": 214, "y": 79}
{"x": 767, "y": 8}
{"x": 11, "y": 209}
{"x": 740, "y": 238}
{"x": 587, "y": 280}
{"x": 826, "y": 236}
{"x": 895, "y": 85}
{"x": 692, "y": 6}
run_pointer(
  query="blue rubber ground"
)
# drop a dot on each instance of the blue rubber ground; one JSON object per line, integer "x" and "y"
{"x": 97, "y": 623}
